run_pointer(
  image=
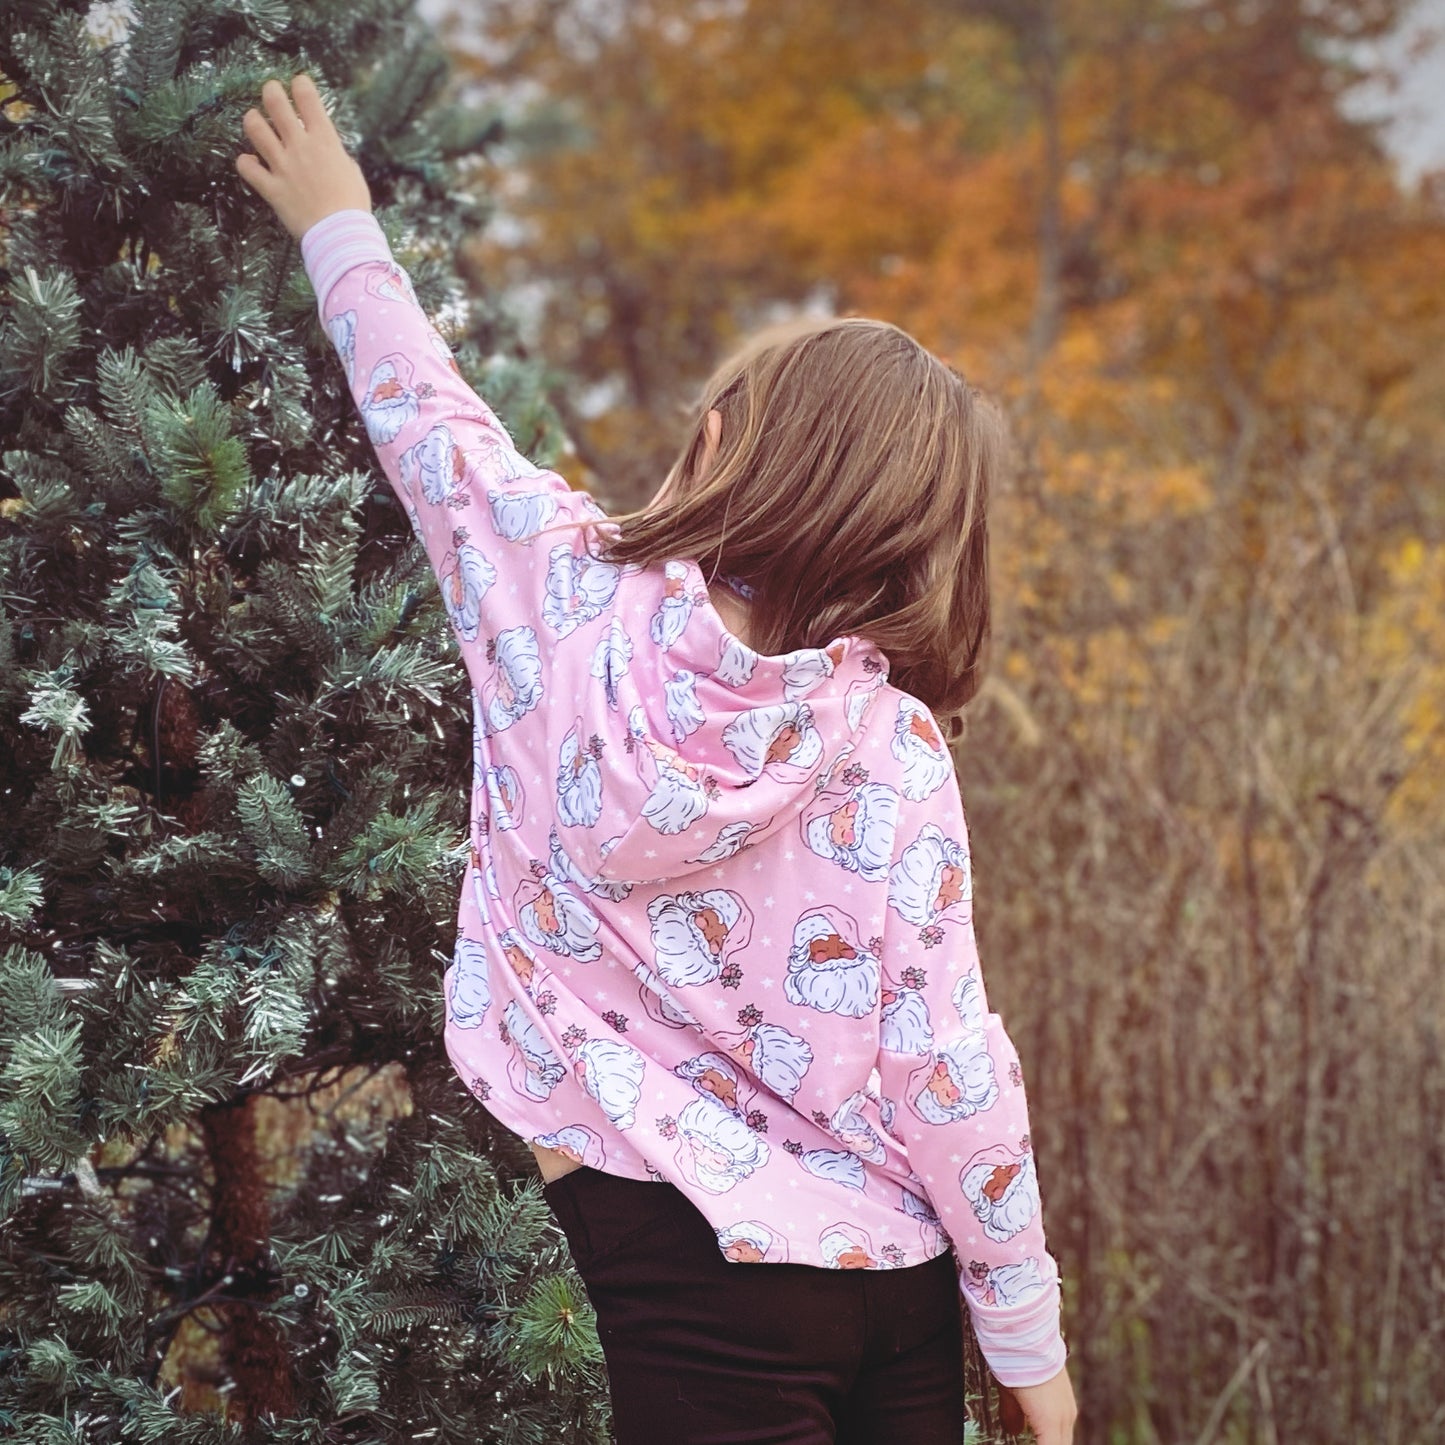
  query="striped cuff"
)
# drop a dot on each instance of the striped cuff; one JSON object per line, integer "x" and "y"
{"x": 1022, "y": 1343}
{"x": 333, "y": 245}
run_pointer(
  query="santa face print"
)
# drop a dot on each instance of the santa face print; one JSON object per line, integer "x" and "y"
{"x": 854, "y": 828}
{"x": 578, "y": 1143}
{"x": 716, "y": 1150}
{"x": 716, "y": 1076}
{"x": 579, "y": 779}
{"x": 513, "y": 685}
{"x": 611, "y": 1072}
{"x": 389, "y": 402}
{"x": 1003, "y": 1189}
{"x": 534, "y": 1069}
{"x": 781, "y": 739}
{"x": 919, "y": 746}
{"x": 931, "y": 884}
{"x": 694, "y": 934}
{"x": 957, "y": 1081}
{"x": 829, "y": 967}
{"x": 551, "y": 916}
{"x": 579, "y": 588}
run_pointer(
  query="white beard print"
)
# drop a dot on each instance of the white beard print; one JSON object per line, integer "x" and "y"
{"x": 611, "y": 1072}
{"x": 577, "y": 1142}
{"x": 516, "y": 515}
{"x": 505, "y": 795}
{"x": 716, "y": 1076}
{"x": 969, "y": 1002}
{"x": 779, "y": 1060}
{"x": 968, "y": 1076}
{"x": 675, "y": 610}
{"x": 751, "y": 1241}
{"x": 541, "y": 1070}
{"x": 839, "y": 1165}
{"x": 572, "y": 927}
{"x": 904, "y": 1026}
{"x": 731, "y": 838}
{"x": 738, "y": 663}
{"x": 849, "y": 1246}
{"x": 465, "y": 576}
{"x": 610, "y": 659}
{"x": 806, "y": 667}
{"x": 435, "y": 463}
{"x": 676, "y": 798}
{"x": 683, "y": 710}
{"x": 855, "y": 1133}
{"x": 829, "y": 971}
{"x": 342, "y": 331}
{"x": 470, "y": 994}
{"x": 1011, "y": 1284}
{"x": 525, "y": 967}
{"x": 564, "y": 867}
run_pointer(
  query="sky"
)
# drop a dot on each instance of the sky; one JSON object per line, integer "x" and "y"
{"x": 1415, "y": 132}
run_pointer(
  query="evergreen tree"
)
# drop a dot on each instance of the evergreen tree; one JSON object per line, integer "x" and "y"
{"x": 245, "y": 1195}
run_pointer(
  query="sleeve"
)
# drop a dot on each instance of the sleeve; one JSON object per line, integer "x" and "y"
{"x": 472, "y": 498}
{"x": 951, "y": 1074}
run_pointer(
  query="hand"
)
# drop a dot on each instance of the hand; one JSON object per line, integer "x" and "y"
{"x": 307, "y": 173}
{"x": 1048, "y": 1408}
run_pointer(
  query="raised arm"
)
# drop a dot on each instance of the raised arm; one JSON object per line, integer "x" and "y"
{"x": 472, "y": 498}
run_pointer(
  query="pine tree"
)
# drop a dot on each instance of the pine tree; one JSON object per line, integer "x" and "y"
{"x": 245, "y": 1195}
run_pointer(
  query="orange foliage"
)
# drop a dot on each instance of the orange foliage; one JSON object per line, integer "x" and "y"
{"x": 1245, "y": 297}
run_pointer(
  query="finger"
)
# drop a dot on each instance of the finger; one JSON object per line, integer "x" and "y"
{"x": 267, "y": 142}
{"x": 278, "y": 107}
{"x": 255, "y": 174}
{"x": 309, "y": 104}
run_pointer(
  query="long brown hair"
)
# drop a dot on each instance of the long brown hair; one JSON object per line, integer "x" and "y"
{"x": 849, "y": 491}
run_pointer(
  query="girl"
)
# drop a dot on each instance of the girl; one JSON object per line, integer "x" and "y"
{"x": 715, "y": 954}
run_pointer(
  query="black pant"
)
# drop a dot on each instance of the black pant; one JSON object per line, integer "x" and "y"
{"x": 702, "y": 1351}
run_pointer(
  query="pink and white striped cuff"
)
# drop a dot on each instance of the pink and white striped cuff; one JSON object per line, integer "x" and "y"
{"x": 336, "y": 243}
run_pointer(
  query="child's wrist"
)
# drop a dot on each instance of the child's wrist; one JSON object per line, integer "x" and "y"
{"x": 337, "y": 241}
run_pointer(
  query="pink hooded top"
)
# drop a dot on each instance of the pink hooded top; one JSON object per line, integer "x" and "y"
{"x": 716, "y": 928}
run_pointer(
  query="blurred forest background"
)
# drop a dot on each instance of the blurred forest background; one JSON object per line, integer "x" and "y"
{"x": 1205, "y": 777}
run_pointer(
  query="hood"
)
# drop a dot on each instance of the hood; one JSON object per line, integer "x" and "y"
{"x": 713, "y": 746}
